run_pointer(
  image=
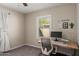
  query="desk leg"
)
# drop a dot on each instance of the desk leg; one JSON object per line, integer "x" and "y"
{"x": 74, "y": 52}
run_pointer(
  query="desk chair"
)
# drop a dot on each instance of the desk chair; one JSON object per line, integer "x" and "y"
{"x": 46, "y": 47}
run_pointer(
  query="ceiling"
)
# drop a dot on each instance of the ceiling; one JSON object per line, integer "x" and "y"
{"x": 30, "y": 8}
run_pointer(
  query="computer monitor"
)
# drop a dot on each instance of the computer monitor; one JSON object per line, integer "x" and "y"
{"x": 56, "y": 34}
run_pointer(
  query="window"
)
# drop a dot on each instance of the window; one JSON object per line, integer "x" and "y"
{"x": 43, "y": 26}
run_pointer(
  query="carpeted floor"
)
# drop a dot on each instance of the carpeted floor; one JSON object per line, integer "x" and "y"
{"x": 26, "y": 51}
{"x": 23, "y": 51}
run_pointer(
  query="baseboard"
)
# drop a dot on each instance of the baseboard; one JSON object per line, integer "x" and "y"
{"x": 21, "y": 46}
{"x": 17, "y": 47}
{"x": 33, "y": 46}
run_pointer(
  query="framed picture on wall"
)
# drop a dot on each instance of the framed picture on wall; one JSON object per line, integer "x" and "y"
{"x": 65, "y": 25}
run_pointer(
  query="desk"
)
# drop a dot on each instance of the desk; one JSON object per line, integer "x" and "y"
{"x": 70, "y": 44}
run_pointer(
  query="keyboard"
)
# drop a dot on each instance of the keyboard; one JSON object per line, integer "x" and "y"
{"x": 59, "y": 43}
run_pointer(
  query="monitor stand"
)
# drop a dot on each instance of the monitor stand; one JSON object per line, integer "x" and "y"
{"x": 56, "y": 39}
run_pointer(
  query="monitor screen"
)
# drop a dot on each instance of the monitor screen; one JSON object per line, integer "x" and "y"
{"x": 56, "y": 34}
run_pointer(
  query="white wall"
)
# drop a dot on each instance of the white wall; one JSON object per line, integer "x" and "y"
{"x": 16, "y": 29}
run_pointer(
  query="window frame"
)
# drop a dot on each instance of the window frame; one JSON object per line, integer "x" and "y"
{"x": 37, "y": 23}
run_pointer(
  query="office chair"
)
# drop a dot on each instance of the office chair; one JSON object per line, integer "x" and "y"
{"x": 46, "y": 47}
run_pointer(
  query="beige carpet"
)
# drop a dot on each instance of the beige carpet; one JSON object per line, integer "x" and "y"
{"x": 23, "y": 51}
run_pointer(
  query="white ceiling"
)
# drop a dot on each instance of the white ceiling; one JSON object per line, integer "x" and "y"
{"x": 31, "y": 6}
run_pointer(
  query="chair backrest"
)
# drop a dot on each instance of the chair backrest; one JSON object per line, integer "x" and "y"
{"x": 46, "y": 43}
